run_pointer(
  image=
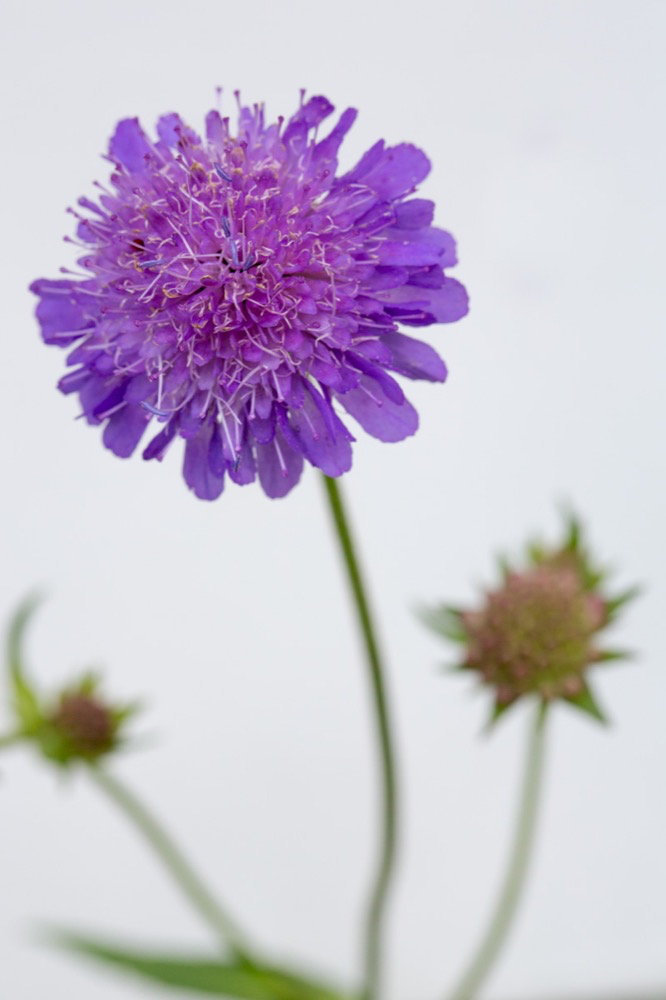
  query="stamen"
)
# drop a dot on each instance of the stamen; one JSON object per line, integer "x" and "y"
{"x": 283, "y": 465}
{"x": 154, "y": 409}
{"x": 234, "y": 253}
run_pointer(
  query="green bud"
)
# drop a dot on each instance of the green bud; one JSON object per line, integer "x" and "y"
{"x": 77, "y": 725}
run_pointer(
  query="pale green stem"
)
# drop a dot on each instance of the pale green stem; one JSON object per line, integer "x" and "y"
{"x": 173, "y": 860}
{"x": 519, "y": 860}
{"x": 10, "y": 740}
{"x": 379, "y": 891}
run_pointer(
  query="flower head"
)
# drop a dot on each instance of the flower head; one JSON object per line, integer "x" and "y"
{"x": 81, "y": 725}
{"x": 537, "y": 633}
{"x": 78, "y": 725}
{"x": 235, "y": 291}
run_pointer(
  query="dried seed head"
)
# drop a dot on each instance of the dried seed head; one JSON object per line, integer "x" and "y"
{"x": 537, "y": 633}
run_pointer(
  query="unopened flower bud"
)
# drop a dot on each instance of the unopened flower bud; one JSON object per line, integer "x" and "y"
{"x": 78, "y": 726}
{"x": 85, "y": 724}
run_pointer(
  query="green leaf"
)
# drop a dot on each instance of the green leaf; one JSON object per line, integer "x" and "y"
{"x": 536, "y": 552}
{"x": 587, "y": 703}
{"x": 444, "y": 620}
{"x": 25, "y": 700}
{"x": 235, "y": 978}
{"x": 608, "y": 655}
{"x": 452, "y": 668}
{"x": 574, "y": 530}
{"x": 613, "y": 604}
{"x": 498, "y": 710}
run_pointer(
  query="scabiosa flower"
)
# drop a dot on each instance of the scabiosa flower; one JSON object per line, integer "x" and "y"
{"x": 537, "y": 633}
{"x": 235, "y": 291}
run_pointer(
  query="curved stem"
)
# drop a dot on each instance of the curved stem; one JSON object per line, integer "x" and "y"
{"x": 519, "y": 860}
{"x": 172, "y": 859}
{"x": 386, "y": 860}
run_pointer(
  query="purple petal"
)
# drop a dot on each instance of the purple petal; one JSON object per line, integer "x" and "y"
{"x": 368, "y": 162}
{"x": 216, "y": 459}
{"x": 386, "y": 277}
{"x": 91, "y": 395}
{"x": 58, "y": 286}
{"x": 389, "y": 386}
{"x": 129, "y": 145}
{"x": 125, "y": 429}
{"x": 377, "y": 414}
{"x": 397, "y": 171}
{"x": 196, "y": 467}
{"x": 445, "y": 304}
{"x": 62, "y": 318}
{"x": 420, "y": 247}
{"x": 450, "y": 302}
{"x": 322, "y": 437}
{"x": 325, "y": 373}
{"x": 328, "y": 148}
{"x": 415, "y": 213}
{"x": 279, "y": 466}
{"x": 414, "y": 359}
{"x": 263, "y": 428}
{"x": 377, "y": 218}
{"x": 216, "y": 130}
{"x": 411, "y": 253}
{"x": 74, "y": 381}
{"x": 244, "y": 470}
{"x": 312, "y": 113}
{"x": 157, "y": 447}
{"x": 426, "y": 277}
{"x": 110, "y": 401}
{"x": 169, "y": 129}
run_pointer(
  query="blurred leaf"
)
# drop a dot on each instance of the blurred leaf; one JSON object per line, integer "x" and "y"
{"x": 234, "y": 978}
{"x": 613, "y": 604}
{"x": 444, "y": 620}
{"x": 536, "y": 552}
{"x": 573, "y": 529}
{"x": 587, "y": 703}
{"x": 453, "y": 668}
{"x": 498, "y": 710}
{"x": 608, "y": 655}
{"x": 25, "y": 700}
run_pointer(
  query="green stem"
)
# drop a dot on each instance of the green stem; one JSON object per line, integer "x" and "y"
{"x": 386, "y": 860}
{"x": 173, "y": 860}
{"x": 10, "y": 740}
{"x": 519, "y": 860}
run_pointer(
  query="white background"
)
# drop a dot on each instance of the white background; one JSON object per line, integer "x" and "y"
{"x": 544, "y": 122}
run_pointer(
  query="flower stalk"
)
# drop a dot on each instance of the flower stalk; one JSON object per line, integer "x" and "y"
{"x": 387, "y": 852}
{"x": 514, "y": 879}
{"x": 173, "y": 860}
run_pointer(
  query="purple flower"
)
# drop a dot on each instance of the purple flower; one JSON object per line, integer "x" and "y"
{"x": 238, "y": 293}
